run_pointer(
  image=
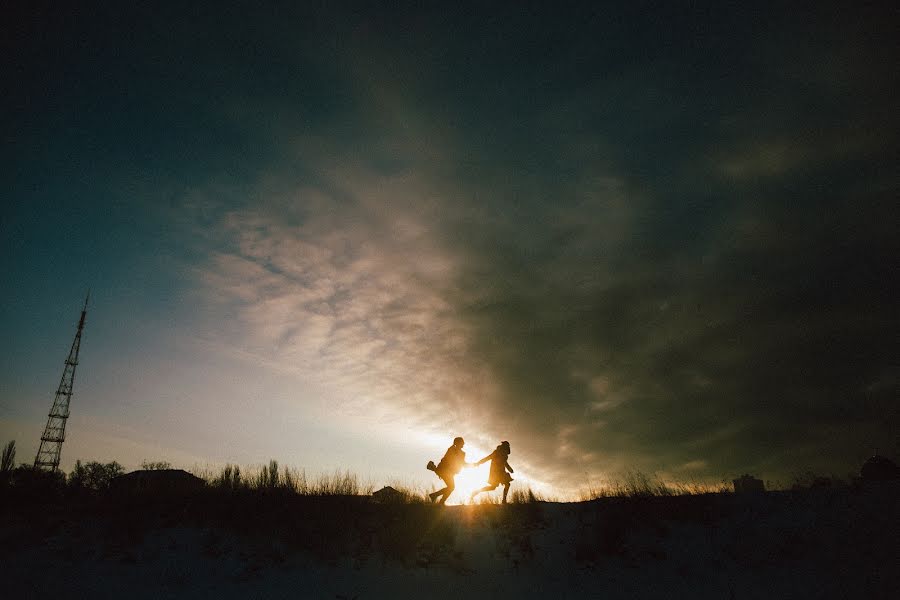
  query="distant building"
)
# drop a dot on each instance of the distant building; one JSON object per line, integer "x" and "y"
{"x": 387, "y": 494}
{"x": 879, "y": 468}
{"x": 155, "y": 481}
{"x": 747, "y": 484}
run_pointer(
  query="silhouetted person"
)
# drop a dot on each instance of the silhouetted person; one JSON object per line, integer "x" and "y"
{"x": 452, "y": 463}
{"x": 499, "y": 468}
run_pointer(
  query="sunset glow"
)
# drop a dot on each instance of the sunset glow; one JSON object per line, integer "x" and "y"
{"x": 467, "y": 482}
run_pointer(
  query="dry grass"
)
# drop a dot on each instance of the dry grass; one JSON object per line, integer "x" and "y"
{"x": 636, "y": 484}
{"x": 272, "y": 478}
{"x": 516, "y": 495}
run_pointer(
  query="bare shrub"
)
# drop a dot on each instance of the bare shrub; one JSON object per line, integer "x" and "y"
{"x": 526, "y": 496}
{"x": 229, "y": 478}
{"x": 156, "y": 465}
{"x": 267, "y": 478}
{"x": 8, "y": 460}
{"x": 294, "y": 481}
{"x": 338, "y": 484}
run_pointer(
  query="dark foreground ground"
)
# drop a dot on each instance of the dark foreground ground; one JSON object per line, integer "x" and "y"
{"x": 812, "y": 544}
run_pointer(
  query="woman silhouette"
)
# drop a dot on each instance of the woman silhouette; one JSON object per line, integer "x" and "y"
{"x": 452, "y": 463}
{"x": 498, "y": 473}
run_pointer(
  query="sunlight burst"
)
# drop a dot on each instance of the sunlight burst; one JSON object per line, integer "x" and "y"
{"x": 468, "y": 481}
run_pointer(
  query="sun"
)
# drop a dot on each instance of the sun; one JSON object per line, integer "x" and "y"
{"x": 469, "y": 480}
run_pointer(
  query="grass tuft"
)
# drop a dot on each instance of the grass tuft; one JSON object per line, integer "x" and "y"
{"x": 637, "y": 484}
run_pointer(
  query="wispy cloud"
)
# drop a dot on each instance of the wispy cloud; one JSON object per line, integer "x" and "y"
{"x": 355, "y": 294}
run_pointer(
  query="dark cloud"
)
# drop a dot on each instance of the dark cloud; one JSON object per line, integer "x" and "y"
{"x": 674, "y": 234}
{"x": 690, "y": 258}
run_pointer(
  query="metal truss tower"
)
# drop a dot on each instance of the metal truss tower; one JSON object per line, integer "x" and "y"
{"x": 55, "y": 432}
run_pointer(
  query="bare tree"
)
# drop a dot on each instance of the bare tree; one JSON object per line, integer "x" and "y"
{"x": 9, "y": 458}
{"x": 94, "y": 475}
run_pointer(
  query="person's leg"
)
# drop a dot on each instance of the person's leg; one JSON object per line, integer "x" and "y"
{"x": 445, "y": 491}
{"x": 450, "y": 487}
{"x": 505, "y": 491}
{"x": 487, "y": 488}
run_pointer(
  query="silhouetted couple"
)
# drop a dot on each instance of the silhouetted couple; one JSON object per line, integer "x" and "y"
{"x": 455, "y": 459}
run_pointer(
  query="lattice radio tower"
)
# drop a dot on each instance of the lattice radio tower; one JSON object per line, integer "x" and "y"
{"x": 55, "y": 432}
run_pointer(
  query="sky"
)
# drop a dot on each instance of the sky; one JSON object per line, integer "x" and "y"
{"x": 642, "y": 237}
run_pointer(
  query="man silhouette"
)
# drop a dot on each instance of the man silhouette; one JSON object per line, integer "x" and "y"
{"x": 498, "y": 474}
{"x": 452, "y": 463}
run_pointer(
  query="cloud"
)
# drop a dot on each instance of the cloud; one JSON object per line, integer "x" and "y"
{"x": 354, "y": 295}
{"x": 672, "y": 263}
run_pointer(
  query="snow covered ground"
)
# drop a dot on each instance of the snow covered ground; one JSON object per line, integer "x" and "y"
{"x": 813, "y": 544}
